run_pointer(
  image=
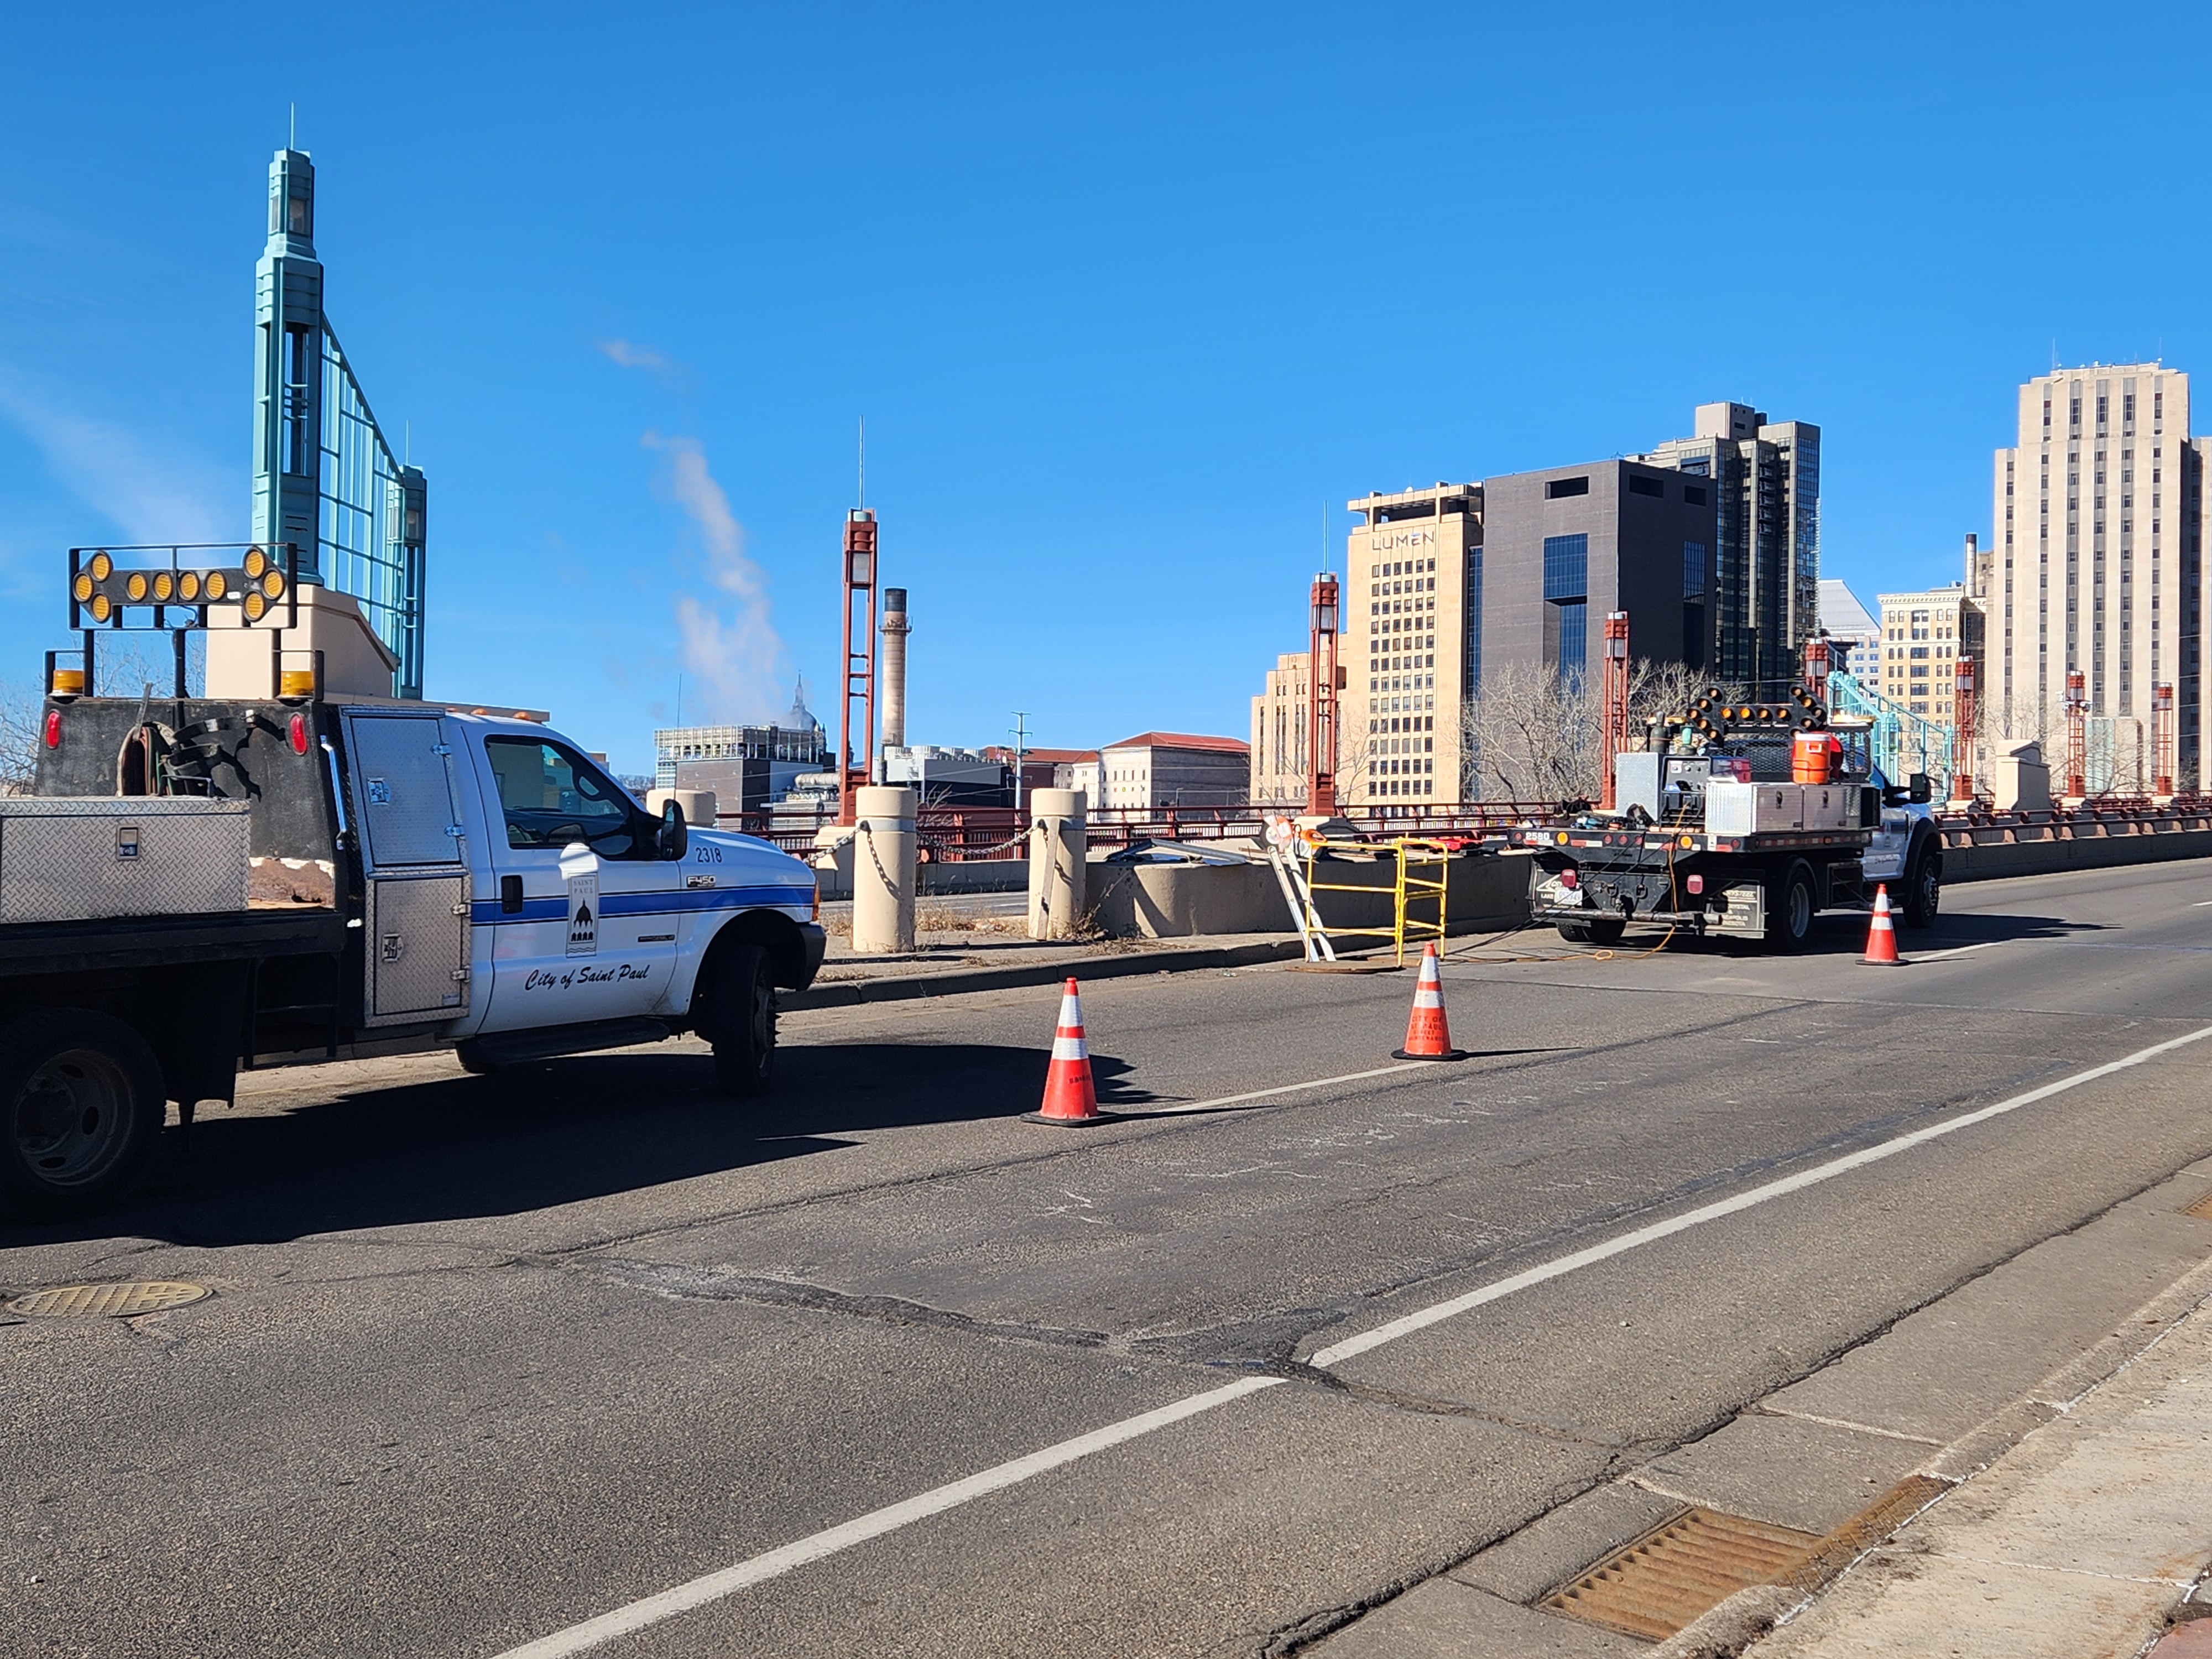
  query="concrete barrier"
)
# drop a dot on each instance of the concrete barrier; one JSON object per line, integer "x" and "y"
{"x": 1986, "y": 854}
{"x": 1183, "y": 900}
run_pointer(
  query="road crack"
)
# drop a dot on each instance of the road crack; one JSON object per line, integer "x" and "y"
{"x": 720, "y": 1285}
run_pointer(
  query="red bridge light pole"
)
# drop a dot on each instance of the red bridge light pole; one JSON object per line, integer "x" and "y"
{"x": 860, "y": 696}
{"x": 1615, "y": 698}
{"x": 1324, "y": 679}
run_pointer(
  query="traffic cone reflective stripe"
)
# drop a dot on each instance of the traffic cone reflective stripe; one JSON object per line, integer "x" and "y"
{"x": 1881, "y": 938}
{"x": 1428, "y": 1035}
{"x": 1070, "y": 1096}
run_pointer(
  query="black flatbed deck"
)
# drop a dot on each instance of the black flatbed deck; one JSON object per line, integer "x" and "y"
{"x": 1679, "y": 842}
{"x": 61, "y": 947}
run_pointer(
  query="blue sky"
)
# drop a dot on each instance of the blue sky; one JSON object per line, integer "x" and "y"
{"x": 1131, "y": 303}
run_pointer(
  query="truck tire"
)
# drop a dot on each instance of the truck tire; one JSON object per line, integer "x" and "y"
{"x": 81, "y": 1111}
{"x": 1923, "y": 890}
{"x": 1790, "y": 902}
{"x": 744, "y": 1022}
{"x": 1603, "y": 934}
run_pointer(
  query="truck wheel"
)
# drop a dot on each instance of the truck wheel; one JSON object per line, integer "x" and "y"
{"x": 1923, "y": 893}
{"x": 744, "y": 1021}
{"x": 1603, "y": 934}
{"x": 473, "y": 1061}
{"x": 81, "y": 1111}
{"x": 1789, "y": 908}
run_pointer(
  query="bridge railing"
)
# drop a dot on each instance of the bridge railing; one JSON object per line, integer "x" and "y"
{"x": 954, "y": 835}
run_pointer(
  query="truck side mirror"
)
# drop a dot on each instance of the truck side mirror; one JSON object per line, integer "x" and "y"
{"x": 1918, "y": 790}
{"x": 674, "y": 840}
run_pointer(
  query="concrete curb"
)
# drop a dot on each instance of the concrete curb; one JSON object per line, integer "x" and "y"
{"x": 902, "y": 988}
{"x": 1731, "y": 1629}
{"x": 1971, "y": 1454}
{"x": 1981, "y": 1446}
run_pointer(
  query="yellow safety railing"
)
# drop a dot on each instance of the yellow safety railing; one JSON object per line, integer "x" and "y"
{"x": 1420, "y": 890}
{"x": 1407, "y": 891}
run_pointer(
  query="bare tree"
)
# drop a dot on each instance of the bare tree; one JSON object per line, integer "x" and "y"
{"x": 1535, "y": 734}
{"x": 20, "y": 707}
{"x": 1530, "y": 734}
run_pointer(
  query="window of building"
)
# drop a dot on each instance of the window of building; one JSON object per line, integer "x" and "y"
{"x": 1694, "y": 494}
{"x": 1574, "y": 635}
{"x": 1639, "y": 485}
{"x": 1567, "y": 567}
{"x": 1693, "y": 570}
{"x": 1559, "y": 488}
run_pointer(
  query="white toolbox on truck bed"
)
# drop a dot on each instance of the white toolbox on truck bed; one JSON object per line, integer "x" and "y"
{"x": 80, "y": 858}
{"x": 1757, "y": 809}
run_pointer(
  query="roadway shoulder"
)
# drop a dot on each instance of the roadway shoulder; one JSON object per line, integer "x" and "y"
{"x": 895, "y": 987}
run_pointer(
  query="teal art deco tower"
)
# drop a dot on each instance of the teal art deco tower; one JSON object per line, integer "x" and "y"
{"x": 324, "y": 477}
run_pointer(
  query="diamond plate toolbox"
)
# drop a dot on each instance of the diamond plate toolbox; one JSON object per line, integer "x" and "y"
{"x": 75, "y": 858}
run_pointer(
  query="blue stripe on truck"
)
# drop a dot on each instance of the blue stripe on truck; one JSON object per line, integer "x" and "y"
{"x": 486, "y": 912}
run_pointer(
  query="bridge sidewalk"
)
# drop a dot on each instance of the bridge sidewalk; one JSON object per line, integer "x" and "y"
{"x": 2082, "y": 1541}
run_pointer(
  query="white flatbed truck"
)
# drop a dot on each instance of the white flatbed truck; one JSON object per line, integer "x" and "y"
{"x": 1719, "y": 841}
{"x": 200, "y": 886}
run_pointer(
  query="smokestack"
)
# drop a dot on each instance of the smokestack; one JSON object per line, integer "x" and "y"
{"x": 895, "y": 632}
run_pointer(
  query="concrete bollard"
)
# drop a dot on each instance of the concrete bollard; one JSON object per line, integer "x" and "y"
{"x": 883, "y": 872}
{"x": 698, "y": 804}
{"x": 1058, "y": 845}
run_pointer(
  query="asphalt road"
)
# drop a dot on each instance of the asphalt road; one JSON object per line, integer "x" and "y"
{"x": 489, "y": 1359}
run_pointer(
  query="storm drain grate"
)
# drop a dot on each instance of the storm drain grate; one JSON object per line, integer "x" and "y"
{"x": 1666, "y": 1579}
{"x": 2202, "y": 1209}
{"x": 106, "y": 1301}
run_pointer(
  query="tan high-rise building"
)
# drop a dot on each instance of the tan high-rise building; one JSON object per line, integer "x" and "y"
{"x": 2097, "y": 561}
{"x": 1280, "y": 733}
{"x": 1405, "y": 618}
{"x": 1923, "y": 637}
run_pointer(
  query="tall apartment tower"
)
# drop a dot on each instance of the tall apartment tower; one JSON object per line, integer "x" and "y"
{"x": 1766, "y": 584}
{"x": 2097, "y": 565}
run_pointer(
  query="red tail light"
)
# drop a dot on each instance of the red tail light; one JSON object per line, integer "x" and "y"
{"x": 298, "y": 734}
{"x": 1570, "y": 880}
{"x": 53, "y": 728}
{"x": 1695, "y": 883}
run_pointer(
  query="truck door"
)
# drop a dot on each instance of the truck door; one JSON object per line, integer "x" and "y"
{"x": 587, "y": 908}
{"x": 416, "y": 928}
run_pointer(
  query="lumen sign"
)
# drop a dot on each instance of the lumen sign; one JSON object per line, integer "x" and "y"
{"x": 1402, "y": 541}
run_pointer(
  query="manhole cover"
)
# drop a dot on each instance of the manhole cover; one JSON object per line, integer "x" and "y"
{"x": 106, "y": 1301}
{"x": 1665, "y": 1580}
{"x": 2202, "y": 1209}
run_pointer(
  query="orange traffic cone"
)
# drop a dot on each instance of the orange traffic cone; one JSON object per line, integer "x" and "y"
{"x": 1881, "y": 938}
{"x": 1069, "y": 1096}
{"x": 1427, "y": 1035}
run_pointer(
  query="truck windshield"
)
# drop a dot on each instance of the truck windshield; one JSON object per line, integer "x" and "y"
{"x": 552, "y": 796}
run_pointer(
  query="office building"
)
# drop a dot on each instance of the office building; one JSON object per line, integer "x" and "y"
{"x": 1766, "y": 574}
{"x": 1155, "y": 770}
{"x": 1853, "y": 633}
{"x": 948, "y": 777}
{"x": 1279, "y": 733}
{"x": 747, "y": 766}
{"x": 1923, "y": 637}
{"x": 2096, "y": 565}
{"x": 1458, "y": 579}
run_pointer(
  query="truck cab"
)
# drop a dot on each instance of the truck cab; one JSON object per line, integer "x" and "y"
{"x": 517, "y": 893}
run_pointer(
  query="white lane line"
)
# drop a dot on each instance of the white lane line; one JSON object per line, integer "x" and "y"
{"x": 1136, "y": 1110}
{"x": 715, "y": 1586}
{"x": 1420, "y": 1319}
{"x": 1956, "y": 950}
{"x": 2200, "y": 904}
